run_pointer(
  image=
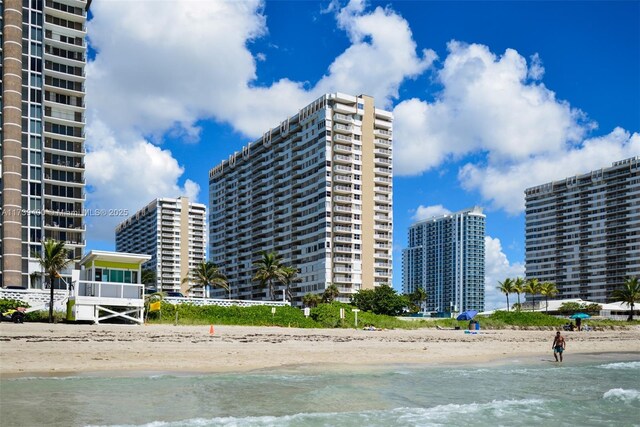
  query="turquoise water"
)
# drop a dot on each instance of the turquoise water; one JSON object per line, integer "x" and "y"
{"x": 589, "y": 392}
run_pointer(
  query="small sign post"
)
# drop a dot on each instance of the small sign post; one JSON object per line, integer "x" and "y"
{"x": 355, "y": 310}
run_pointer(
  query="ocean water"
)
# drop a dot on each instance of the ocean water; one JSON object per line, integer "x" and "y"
{"x": 590, "y": 392}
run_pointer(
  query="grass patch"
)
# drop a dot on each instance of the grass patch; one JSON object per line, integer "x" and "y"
{"x": 328, "y": 316}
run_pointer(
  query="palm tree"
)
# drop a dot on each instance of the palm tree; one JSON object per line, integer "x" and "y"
{"x": 418, "y": 297}
{"x": 330, "y": 293}
{"x": 289, "y": 276}
{"x": 518, "y": 288}
{"x": 506, "y": 287}
{"x": 548, "y": 289}
{"x": 311, "y": 300}
{"x": 270, "y": 270}
{"x": 53, "y": 259}
{"x": 206, "y": 274}
{"x": 532, "y": 287}
{"x": 629, "y": 293}
{"x": 148, "y": 277}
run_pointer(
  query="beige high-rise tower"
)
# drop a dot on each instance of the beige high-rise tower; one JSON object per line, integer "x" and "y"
{"x": 42, "y": 180}
{"x": 316, "y": 189}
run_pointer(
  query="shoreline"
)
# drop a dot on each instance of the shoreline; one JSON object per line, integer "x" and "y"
{"x": 63, "y": 350}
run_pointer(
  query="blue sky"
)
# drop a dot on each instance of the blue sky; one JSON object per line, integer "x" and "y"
{"x": 489, "y": 97}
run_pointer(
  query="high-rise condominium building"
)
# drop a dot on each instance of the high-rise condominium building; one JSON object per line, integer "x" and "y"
{"x": 317, "y": 190}
{"x": 445, "y": 257}
{"x": 173, "y": 232}
{"x": 43, "y": 61}
{"x": 583, "y": 232}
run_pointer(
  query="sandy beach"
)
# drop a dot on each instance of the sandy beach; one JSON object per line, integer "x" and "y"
{"x": 61, "y": 349}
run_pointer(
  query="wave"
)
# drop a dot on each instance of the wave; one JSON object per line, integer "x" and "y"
{"x": 622, "y": 394}
{"x": 621, "y": 365}
{"x": 437, "y": 415}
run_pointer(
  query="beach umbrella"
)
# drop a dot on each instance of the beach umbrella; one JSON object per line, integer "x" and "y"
{"x": 467, "y": 315}
{"x": 580, "y": 316}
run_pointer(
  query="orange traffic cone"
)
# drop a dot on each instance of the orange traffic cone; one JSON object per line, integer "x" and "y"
{"x": 211, "y": 332}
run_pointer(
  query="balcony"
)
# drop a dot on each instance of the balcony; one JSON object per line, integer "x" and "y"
{"x": 342, "y": 199}
{"x": 382, "y": 142}
{"x": 339, "y": 218}
{"x": 341, "y": 168}
{"x": 342, "y": 138}
{"x": 338, "y": 158}
{"x": 385, "y": 134}
{"x": 383, "y": 179}
{"x": 342, "y": 178}
{"x": 342, "y": 189}
{"x": 344, "y": 109}
{"x": 341, "y": 148}
{"x": 337, "y": 117}
{"x": 382, "y": 160}
{"x": 343, "y": 128}
{"x": 340, "y": 208}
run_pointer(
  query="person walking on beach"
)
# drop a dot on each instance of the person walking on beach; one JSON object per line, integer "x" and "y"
{"x": 558, "y": 346}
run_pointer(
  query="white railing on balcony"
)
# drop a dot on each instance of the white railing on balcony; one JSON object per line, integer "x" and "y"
{"x": 85, "y": 288}
{"x": 338, "y": 116}
{"x": 342, "y": 188}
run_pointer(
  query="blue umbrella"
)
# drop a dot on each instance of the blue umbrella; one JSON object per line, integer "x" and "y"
{"x": 580, "y": 316}
{"x": 467, "y": 315}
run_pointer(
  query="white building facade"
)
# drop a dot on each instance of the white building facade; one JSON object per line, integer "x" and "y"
{"x": 583, "y": 232}
{"x": 317, "y": 190}
{"x": 445, "y": 257}
{"x": 173, "y": 232}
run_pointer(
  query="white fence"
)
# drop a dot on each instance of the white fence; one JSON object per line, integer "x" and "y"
{"x": 38, "y": 299}
{"x": 224, "y": 302}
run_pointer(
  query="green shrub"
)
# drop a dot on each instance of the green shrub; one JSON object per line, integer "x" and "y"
{"x": 7, "y": 304}
{"x": 234, "y": 315}
{"x": 520, "y": 318}
{"x": 569, "y": 308}
{"x": 42, "y": 316}
{"x": 381, "y": 300}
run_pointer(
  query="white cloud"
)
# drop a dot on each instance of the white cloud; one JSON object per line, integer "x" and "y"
{"x": 497, "y": 268}
{"x": 382, "y": 55}
{"x": 426, "y": 212}
{"x": 496, "y": 108}
{"x": 504, "y": 184}
{"x": 488, "y": 104}
{"x": 128, "y": 177}
{"x": 163, "y": 66}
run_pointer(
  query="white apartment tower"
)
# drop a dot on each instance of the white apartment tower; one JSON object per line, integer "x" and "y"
{"x": 173, "y": 232}
{"x": 583, "y": 232}
{"x": 445, "y": 257}
{"x": 43, "y": 118}
{"x": 316, "y": 189}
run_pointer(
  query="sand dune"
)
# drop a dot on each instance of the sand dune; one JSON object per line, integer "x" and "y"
{"x": 62, "y": 348}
